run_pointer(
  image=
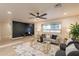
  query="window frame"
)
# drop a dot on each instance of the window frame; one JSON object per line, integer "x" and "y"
{"x": 50, "y": 30}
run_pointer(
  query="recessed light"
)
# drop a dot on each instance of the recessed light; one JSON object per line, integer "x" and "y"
{"x": 65, "y": 13}
{"x": 9, "y": 12}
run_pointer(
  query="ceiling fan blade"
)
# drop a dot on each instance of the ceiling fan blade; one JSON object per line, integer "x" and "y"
{"x": 32, "y": 14}
{"x": 43, "y": 18}
{"x": 30, "y": 17}
{"x": 43, "y": 14}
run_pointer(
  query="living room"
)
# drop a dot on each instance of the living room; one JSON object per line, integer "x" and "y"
{"x": 53, "y": 21}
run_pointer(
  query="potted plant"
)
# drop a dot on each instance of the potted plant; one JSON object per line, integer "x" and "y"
{"x": 74, "y": 31}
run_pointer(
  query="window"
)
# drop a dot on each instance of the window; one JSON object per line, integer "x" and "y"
{"x": 53, "y": 27}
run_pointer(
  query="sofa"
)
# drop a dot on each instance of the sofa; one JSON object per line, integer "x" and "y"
{"x": 71, "y": 48}
{"x": 47, "y": 37}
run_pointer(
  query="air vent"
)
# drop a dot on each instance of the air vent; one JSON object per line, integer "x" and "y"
{"x": 58, "y": 5}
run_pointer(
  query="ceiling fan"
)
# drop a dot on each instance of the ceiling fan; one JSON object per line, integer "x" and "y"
{"x": 39, "y": 16}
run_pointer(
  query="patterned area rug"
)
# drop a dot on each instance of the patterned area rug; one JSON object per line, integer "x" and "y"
{"x": 38, "y": 49}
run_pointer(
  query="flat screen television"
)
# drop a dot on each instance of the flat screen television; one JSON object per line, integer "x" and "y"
{"x": 20, "y": 29}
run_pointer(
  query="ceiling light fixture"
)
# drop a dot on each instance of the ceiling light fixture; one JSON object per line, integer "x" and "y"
{"x": 65, "y": 13}
{"x": 9, "y": 12}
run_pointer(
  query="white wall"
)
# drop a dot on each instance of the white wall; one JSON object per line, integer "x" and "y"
{"x": 65, "y": 22}
{"x": 0, "y": 31}
{"x": 6, "y": 27}
{"x": 6, "y": 30}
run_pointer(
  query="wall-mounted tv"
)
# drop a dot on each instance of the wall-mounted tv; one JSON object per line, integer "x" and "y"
{"x": 20, "y": 29}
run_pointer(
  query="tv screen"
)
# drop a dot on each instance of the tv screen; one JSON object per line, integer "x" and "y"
{"x": 22, "y": 29}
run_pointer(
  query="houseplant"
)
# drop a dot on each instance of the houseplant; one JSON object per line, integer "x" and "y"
{"x": 74, "y": 31}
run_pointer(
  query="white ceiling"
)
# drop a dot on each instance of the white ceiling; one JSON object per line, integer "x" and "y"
{"x": 21, "y": 11}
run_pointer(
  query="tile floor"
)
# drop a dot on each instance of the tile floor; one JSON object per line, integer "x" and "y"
{"x": 7, "y": 48}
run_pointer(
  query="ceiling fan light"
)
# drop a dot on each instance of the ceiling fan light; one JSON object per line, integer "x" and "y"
{"x": 37, "y": 18}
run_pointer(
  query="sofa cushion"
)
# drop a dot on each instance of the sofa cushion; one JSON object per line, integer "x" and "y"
{"x": 53, "y": 36}
{"x": 71, "y": 46}
{"x": 74, "y": 53}
{"x": 60, "y": 53}
{"x": 63, "y": 47}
